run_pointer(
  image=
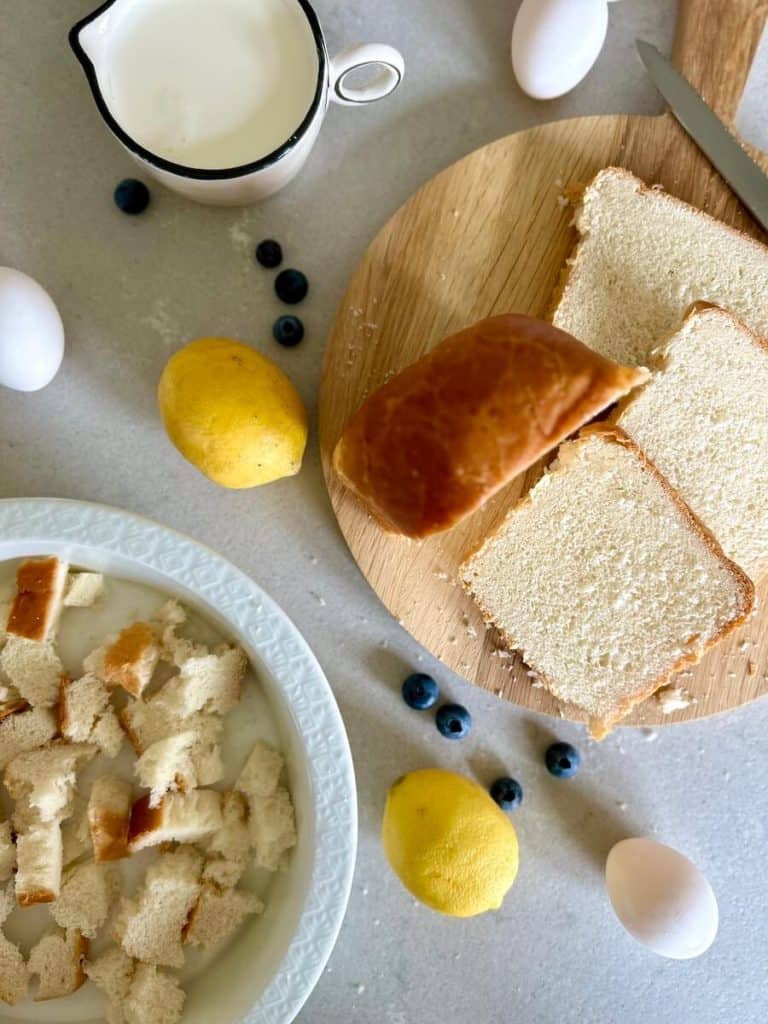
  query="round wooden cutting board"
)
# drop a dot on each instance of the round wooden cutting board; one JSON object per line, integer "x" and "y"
{"x": 491, "y": 235}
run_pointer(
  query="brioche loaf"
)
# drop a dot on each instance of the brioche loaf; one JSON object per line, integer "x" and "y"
{"x": 642, "y": 259}
{"x": 436, "y": 441}
{"x": 604, "y": 580}
{"x": 703, "y": 421}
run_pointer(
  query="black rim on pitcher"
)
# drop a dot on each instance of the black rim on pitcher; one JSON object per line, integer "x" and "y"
{"x": 197, "y": 173}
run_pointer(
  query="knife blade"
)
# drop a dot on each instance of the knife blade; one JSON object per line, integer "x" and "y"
{"x": 709, "y": 133}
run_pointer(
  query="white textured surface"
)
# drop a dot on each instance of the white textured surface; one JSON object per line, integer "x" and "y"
{"x": 131, "y": 291}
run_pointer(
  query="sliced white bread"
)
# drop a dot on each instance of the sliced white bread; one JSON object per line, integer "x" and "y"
{"x": 23, "y": 728}
{"x": 109, "y": 817}
{"x": 218, "y": 913}
{"x": 83, "y": 589}
{"x": 34, "y": 669}
{"x": 643, "y": 258}
{"x": 7, "y": 851}
{"x": 127, "y": 660}
{"x": 604, "y": 580}
{"x": 112, "y": 973}
{"x": 88, "y": 892}
{"x": 699, "y": 420}
{"x": 154, "y": 997}
{"x": 178, "y": 818}
{"x": 85, "y": 714}
{"x": 46, "y": 778}
{"x": 272, "y": 827}
{"x": 39, "y": 856}
{"x": 36, "y": 607}
{"x": 149, "y": 927}
{"x": 228, "y": 849}
{"x": 14, "y": 977}
{"x": 57, "y": 960}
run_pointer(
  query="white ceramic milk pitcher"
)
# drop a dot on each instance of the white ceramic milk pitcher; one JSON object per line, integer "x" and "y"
{"x": 221, "y": 100}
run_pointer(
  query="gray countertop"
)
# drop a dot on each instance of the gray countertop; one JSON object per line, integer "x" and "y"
{"x": 131, "y": 291}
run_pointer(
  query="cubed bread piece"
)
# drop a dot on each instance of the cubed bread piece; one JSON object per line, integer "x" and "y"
{"x": 57, "y": 960}
{"x": 108, "y": 734}
{"x": 155, "y": 997}
{"x": 14, "y": 978}
{"x": 109, "y": 816}
{"x": 174, "y": 648}
{"x": 38, "y": 864}
{"x": 218, "y": 913}
{"x": 604, "y": 580}
{"x": 81, "y": 703}
{"x": 211, "y": 682}
{"x": 46, "y": 778}
{"x": 83, "y": 589}
{"x": 179, "y": 817}
{"x": 112, "y": 973}
{"x": 272, "y": 826}
{"x": 75, "y": 834}
{"x": 261, "y": 772}
{"x": 34, "y": 669}
{"x": 7, "y": 851}
{"x": 86, "y": 897}
{"x": 37, "y": 605}
{"x": 228, "y": 849}
{"x": 129, "y": 660}
{"x": 23, "y": 728}
{"x": 149, "y": 927}
{"x": 166, "y": 767}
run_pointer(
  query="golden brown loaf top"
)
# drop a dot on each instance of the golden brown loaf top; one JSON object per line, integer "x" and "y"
{"x": 436, "y": 441}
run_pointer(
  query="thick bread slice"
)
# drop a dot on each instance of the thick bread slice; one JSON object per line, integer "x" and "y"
{"x": 179, "y": 818}
{"x": 57, "y": 960}
{"x": 46, "y": 778}
{"x": 87, "y": 894}
{"x": 34, "y": 669}
{"x": 703, "y": 421}
{"x": 440, "y": 438}
{"x": 23, "y": 728}
{"x": 149, "y": 928}
{"x": 217, "y": 913}
{"x": 109, "y": 817}
{"x": 7, "y": 851}
{"x": 83, "y": 589}
{"x": 37, "y": 605}
{"x": 643, "y": 258}
{"x": 155, "y": 997}
{"x": 14, "y": 977}
{"x": 128, "y": 660}
{"x": 604, "y": 580}
{"x": 39, "y": 858}
{"x": 112, "y": 973}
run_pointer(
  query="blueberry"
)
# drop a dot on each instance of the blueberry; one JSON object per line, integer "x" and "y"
{"x": 453, "y": 721}
{"x": 420, "y": 691}
{"x": 291, "y": 286}
{"x": 288, "y": 331}
{"x": 132, "y": 196}
{"x": 508, "y": 793}
{"x": 269, "y": 253}
{"x": 563, "y": 760}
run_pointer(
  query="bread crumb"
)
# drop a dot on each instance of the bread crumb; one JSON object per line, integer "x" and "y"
{"x": 674, "y": 698}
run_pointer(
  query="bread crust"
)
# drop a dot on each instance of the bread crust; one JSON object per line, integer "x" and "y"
{"x": 599, "y": 727}
{"x": 123, "y": 659}
{"x": 436, "y": 441}
{"x": 39, "y": 586}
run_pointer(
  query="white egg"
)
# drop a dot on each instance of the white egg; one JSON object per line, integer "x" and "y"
{"x": 31, "y": 333}
{"x": 555, "y": 43}
{"x": 661, "y": 898}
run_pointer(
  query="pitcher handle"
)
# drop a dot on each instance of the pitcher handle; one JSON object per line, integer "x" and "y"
{"x": 366, "y": 55}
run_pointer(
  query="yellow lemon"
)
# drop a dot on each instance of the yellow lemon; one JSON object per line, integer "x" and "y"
{"x": 232, "y": 413}
{"x": 449, "y": 844}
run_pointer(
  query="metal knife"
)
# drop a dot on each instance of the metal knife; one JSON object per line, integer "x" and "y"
{"x": 709, "y": 133}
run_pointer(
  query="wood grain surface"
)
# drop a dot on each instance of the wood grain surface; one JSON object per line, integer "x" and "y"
{"x": 490, "y": 235}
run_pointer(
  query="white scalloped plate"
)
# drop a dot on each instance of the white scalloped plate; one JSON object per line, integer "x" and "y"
{"x": 267, "y": 973}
